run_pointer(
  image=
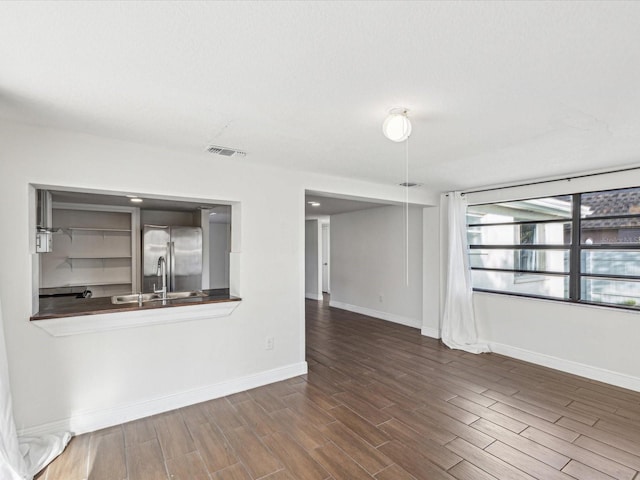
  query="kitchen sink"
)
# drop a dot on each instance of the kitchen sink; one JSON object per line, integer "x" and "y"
{"x": 134, "y": 297}
{"x": 193, "y": 293}
{"x": 154, "y": 297}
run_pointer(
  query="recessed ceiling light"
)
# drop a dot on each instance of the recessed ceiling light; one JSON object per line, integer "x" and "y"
{"x": 314, "y": 204}
{"x": 136, "y": 200}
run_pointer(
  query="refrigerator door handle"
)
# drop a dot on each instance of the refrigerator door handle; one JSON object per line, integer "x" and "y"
{"x": 172, "y": 254}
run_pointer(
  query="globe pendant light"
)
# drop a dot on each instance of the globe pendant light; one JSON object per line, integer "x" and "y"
{"x": 397, "y": 126}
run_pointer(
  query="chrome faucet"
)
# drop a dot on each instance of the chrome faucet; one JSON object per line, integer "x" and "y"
{"x": 162, "y": 272}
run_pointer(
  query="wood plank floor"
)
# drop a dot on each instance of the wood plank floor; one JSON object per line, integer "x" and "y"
{"x": 380, "y": 401}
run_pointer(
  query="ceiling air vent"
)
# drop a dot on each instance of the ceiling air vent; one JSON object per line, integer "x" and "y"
{"x": 225, "y": 151}
{"x": 409, "y": 184}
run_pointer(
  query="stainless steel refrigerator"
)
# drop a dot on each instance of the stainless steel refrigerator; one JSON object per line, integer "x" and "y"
{"x": 181, "y": 248}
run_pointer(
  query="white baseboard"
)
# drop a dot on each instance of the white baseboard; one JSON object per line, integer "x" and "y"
{"x": 313, "y": 296}
{"x": 391, "y": 317}
{"x": 568, "y": 366}
{"x": 89, "y": 421}
{"x": 430, "y": 332}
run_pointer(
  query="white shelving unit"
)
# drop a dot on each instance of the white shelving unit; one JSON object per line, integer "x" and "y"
{"x": 94, "y": 246}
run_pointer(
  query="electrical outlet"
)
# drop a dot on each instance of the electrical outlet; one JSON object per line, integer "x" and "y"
{"x": 380, "y": 298}
{"x": 270, "y": 343}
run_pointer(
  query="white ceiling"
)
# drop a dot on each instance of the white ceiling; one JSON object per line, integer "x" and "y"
{"x": 333, "y": 206}
{"x": 218, "y": 213}
{"x": 497, "y": 91}
{"x": 124, "y": 201}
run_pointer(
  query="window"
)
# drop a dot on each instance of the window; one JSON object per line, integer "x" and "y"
{"x": 610, "y": 247}
{"x": 522, "y": 247}
{"x": 580, "y": 248}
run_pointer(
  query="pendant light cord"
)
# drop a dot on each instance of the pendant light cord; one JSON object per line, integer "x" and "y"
{"x": 406, "y": 212}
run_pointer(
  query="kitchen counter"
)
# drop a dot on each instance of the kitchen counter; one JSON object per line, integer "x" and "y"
{"x": 60, "y": 307}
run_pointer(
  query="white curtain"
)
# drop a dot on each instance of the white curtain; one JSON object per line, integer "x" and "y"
{"x": 458, "y": 321}
{"x": 22, "y": 458}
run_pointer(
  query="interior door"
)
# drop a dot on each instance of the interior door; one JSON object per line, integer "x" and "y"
{"x": 325, "y": 259}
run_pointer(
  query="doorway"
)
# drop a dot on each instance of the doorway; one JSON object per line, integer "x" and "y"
{"x": 326, "y": 264}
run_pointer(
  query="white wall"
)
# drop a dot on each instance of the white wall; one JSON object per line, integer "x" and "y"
{"x": 168, "y": 217}
{"x": 368, "y": 264}
{"x": 93, "y": 380}
{"x": 597, "y": 342}
{"x": 219, "y": 255}
{"x": 61, "y": 379}
{"x": 312, "y": 259}
{"x": 431, "y": 268}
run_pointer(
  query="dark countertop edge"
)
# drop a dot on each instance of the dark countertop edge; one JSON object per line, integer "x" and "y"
{"x": 134, "y": 308}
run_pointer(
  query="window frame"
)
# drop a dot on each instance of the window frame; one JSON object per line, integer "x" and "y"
{"x": 575, "y": 247}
